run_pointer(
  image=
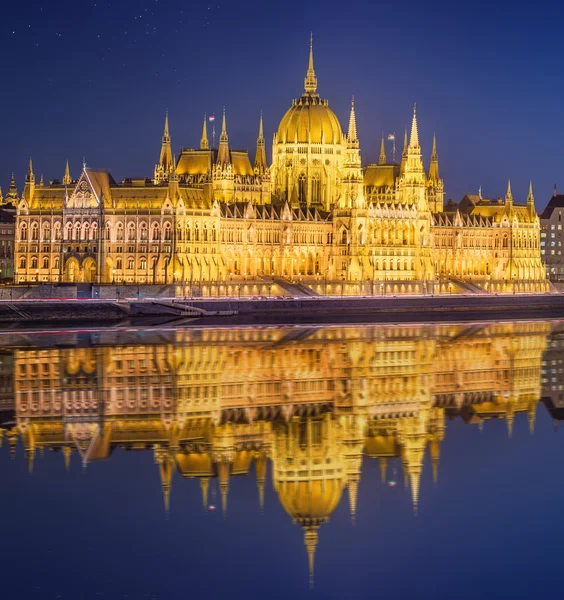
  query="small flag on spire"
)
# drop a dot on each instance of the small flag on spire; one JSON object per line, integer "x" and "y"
{"x": 211, "y": 118}
{"x": 391, "y": 137}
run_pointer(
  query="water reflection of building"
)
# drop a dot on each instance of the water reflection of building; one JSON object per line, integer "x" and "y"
{"x": 315, "y": 403}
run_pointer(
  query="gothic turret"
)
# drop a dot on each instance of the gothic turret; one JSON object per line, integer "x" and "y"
{"x": 260, "y": 157}
{"x": 434, "y": 167}
{"x": 204, "y": 144}
{"x": 223, "y": 152}
{"x": 163, "y": 169}
{"x": 29, "y": 188}
{"x": 310, "y": 81}
{"x": 67, "y": 179}
{"x": 12, "y": 196}
{"x": 531, "y": 200}
{"x": 404, "y": 152}
{"x": 382, "y": 159}
{"x": 352, "y": 136}
{"x": 509, "y": 196}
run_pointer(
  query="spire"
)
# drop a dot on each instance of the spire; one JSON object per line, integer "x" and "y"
{"x": 223, "y": 474}
{"x": 67, "y": 452}
{"x": 204, "y": 486}
{"x": 531, "y": 199}
{"x": 310, "y": 539}
{"x": 414, "y": 139}
{"x": 204, "y": 144}
{"x": 383, "y": 469}
{"x": 352, "y": 137}
{"x": 30, "y": 453}
{"x": 404, "y": 152}
{"x": 260, "y": 470}
{"x": 12, "y": 442}
{"x": 434, "y": 168}
{"x": 509, "y": 195}
{"x": 353, "y": 498}
{"x": 414, "y": 479}
{"x": 510, "y": 417}
{"x": 532, "y": 414}
{"x": 435, "y": 450}
{"x": 382, "y": 159}
{"x": 555, "y": 193}
{"x": 223, "y": 152}
{"x": 166, "y": 471}
{"x": 41, "y": 184}
{"x": 260, "y": 157}
{"x": 165, "y": 159}
{"x": 310, "y": 81}
{"x": 30, "y": 177}
{"x": 67, "y": 180}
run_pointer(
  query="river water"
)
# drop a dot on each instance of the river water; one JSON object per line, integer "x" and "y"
{"x": 283, "y": 462}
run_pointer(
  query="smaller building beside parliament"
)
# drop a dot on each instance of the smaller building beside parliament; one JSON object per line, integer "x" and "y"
{"x": 314, "y": 216}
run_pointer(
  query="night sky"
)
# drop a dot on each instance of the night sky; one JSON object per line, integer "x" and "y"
{"x": 93, "y": 79}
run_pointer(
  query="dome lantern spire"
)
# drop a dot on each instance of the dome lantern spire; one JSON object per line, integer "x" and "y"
{"x": 310, "y": 81}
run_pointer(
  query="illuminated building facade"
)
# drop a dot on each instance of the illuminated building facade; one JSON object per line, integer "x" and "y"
{"x": 315, "y": 215}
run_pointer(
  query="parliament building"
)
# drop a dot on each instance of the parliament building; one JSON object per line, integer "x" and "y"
{"x": 212, "y": 217}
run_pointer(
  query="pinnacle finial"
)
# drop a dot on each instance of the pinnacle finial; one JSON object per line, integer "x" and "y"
{"x": 310, "y": 81}
{"x": 434, "y": 166}
{"x": 166, "y": 132}
{"x": 352, "y": 135}
{"x": 509, "y": 195}
{"x": 30, "y": 177}
{"x": 530, "y": 197}
{"x": 310, "y": 539}
{"x": 204, "y": 144}
{"x": 414, "y": 139}
{"x": 382, "y": 160}
{"x": 261, "y": 133}
{"x": 67, "y": 176}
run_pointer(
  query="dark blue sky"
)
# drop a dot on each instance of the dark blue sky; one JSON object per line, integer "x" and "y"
{"x": 93, "y": 78}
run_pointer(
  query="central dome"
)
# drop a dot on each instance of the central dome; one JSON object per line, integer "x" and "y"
{"x": 310, "y": 120}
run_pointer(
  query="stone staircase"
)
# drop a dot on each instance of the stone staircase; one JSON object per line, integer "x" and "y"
{"x": 293, "y": 288}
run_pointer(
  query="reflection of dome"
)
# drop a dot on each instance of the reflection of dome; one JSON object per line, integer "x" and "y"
{"x": 310, "y": 120}
{"x": 310, "y": 502}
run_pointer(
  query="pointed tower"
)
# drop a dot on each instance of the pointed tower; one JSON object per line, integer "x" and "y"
{"x": 404, "y": 152}
{"x": 352, "y": 136}
{"x": 310, "y": 81}
{"x": 383, "y": 469}
{"x": 353, "y": 498}
{"x": 204, "y": 144}
{"x": 67, "y": 179}
{"x": 260, "y": 470}
{"x": 435, "y": 451}
{"x": 260, "y": 157}
{"x": 223, "y": 471}
{"x": 434, "y": 167}
{"x": 223, "y": 151}
{"x": 382, "y": 160}
{"x": 29, "y": 189}
{"x": 311, "y": 538}
{"x": 67, "y": 453}
{"x": 163, "y": 169}
{"x": 531, "y": 201}
{"x": 204, "y": 487}
{"x": 12, "y": 196}
{"x": 436, "y": 185}
{"x": 509, "y": 196}
{"x": 166, "y": 470}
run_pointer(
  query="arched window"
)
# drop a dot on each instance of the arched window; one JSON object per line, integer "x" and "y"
{"x": 131, "y": 232}
{"x": 156, "y": 233}
{"x": 187, "y": 232}
{"x": 46, "y": 236}
{"x": 214, "y": 234}
{"x": 34, "y": 262}
{"x": 131, "y": 263}
{"x": 143, "y": 264}
{"x": 344, "y": 236}
{"x": 143, "y": 233}
{"x": 119, "y": 232}
{"x": 22, "y": 262}
{"x": 119, "y": 263}
{"x": 205, "y": 233}
{"x": 505, "y": 241}
{"x": 34, "y": 232}
{"x": 23, "y": 232}
{"x": 197, "y": 233}
{"x": 94, "y": 232}
{"x": 168, "y": 232}
{"x": 45, "y": 262}
{"x": 302, "y": 189}
{"x": 56, "y": 263}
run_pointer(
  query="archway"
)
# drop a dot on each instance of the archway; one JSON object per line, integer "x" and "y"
{"x": 72, "y": 270}
{"x": 89, "y": 270}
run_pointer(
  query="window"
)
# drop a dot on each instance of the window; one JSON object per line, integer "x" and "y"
{"x": 22, "y": 262}
{"x": 119, "y": 263}
{"x": 143, "y": 264}
{"x": 45, "y": 262}
{"x": 131, "y": 263}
